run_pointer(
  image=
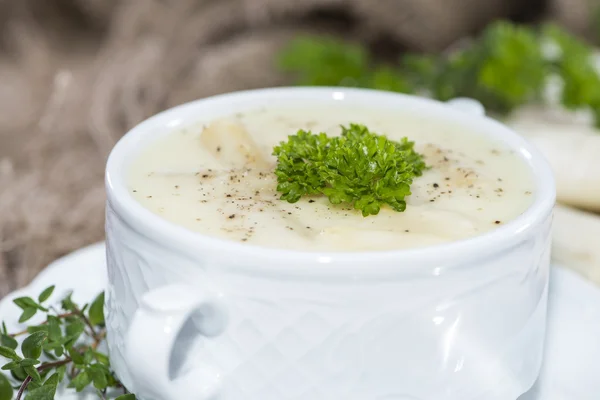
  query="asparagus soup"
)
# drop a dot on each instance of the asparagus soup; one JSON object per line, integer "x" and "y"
{"x": 227, "y": 178}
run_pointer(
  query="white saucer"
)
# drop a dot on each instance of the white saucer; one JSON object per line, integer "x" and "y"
{"x": 570, "y": 371}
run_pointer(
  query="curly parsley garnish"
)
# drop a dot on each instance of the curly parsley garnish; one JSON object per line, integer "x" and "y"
{"x": 359, "y": 167}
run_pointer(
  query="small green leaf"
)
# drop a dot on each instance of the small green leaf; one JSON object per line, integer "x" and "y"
{"x": 45, "y": 392}
{"x": 88, "y": 356}
{"x": 53, "y": 380}
{"x": 128, "y": 396}
{"x": 54, "y": 332}
{"x": 32, "y": 345}
{"x": 10, "y": 365}
{"x": 28, "y": 362}
{"x": 4, "y": 330}
{"x": 59, "y": 351}
{"x": 75, "y": 329}
{"x": 68, "y": 304}
{"x": 45, "y": 295}
{"x": 96, "y": 312}
{"x": 36, "y": 338}
{"x": 80, "y": 381}
{"x": 27, "y": 314}
{"x": 68, "y": 343}
{"x": 25, "y": 302}
{"x": 98, "y": 377}
{"x": 37, "y": 328}
{"x": 49, "y": 346}
{"x": 102, "y": 358}
{"x": 8, "y": 341}
{"x": 61, "y": 371}
{"x": 76, "y": 357}
{"x": 33, "y": 373}
{"x": 19, "y": 374}
{"x": 6, "y": 390}
{"x": 34, "y": 385}
{"x": 9, "y": 353}
{"x": 112, "y": 382}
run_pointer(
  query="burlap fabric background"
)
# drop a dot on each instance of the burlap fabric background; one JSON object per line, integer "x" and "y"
{"x": 76, "y": 74}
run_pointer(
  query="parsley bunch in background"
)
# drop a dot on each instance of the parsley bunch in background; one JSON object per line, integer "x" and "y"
{"x": 326, "y": 61}
{"x": 574, "y": 63}
{"x": 360, "y": 168}
{"x": 65, "y": 346}
{"x": 505, "y": 67}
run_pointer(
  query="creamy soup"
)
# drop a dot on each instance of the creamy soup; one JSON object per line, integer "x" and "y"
{"x": 217, "y": 178}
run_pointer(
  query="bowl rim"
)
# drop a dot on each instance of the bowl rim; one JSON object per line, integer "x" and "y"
{"x": 248, "y": 257}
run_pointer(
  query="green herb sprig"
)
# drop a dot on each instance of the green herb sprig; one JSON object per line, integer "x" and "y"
{"x": 327, "y": 61}
{"x": 359, "y": 167}
{"x": 506, "y": 66}
{"x": 64, "y": 347}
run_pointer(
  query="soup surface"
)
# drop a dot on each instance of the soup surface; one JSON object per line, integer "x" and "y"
{"x": 217, "y": 178}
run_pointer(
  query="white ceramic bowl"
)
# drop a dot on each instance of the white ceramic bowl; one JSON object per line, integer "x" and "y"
{"x": 194, "y": 317}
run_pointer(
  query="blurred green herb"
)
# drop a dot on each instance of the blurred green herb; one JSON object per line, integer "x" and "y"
{"x": 505, "y": 67}
{"x": 359, "y": 167}
{"x": 64, "y": 346}
{"x": 573, "y": 62}
{"x": 327, "y": 61}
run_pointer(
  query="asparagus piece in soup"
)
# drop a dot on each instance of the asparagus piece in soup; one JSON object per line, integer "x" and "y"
{"x": 233, "y": 147}
{"x": 230, "y": 143}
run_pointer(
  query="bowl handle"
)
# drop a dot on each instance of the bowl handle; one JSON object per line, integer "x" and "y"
{"x": 467, "y": 105}
{"x": 158, "y": 331}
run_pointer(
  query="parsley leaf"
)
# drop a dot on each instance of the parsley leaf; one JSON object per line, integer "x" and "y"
{"x": 359, "y": 167}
